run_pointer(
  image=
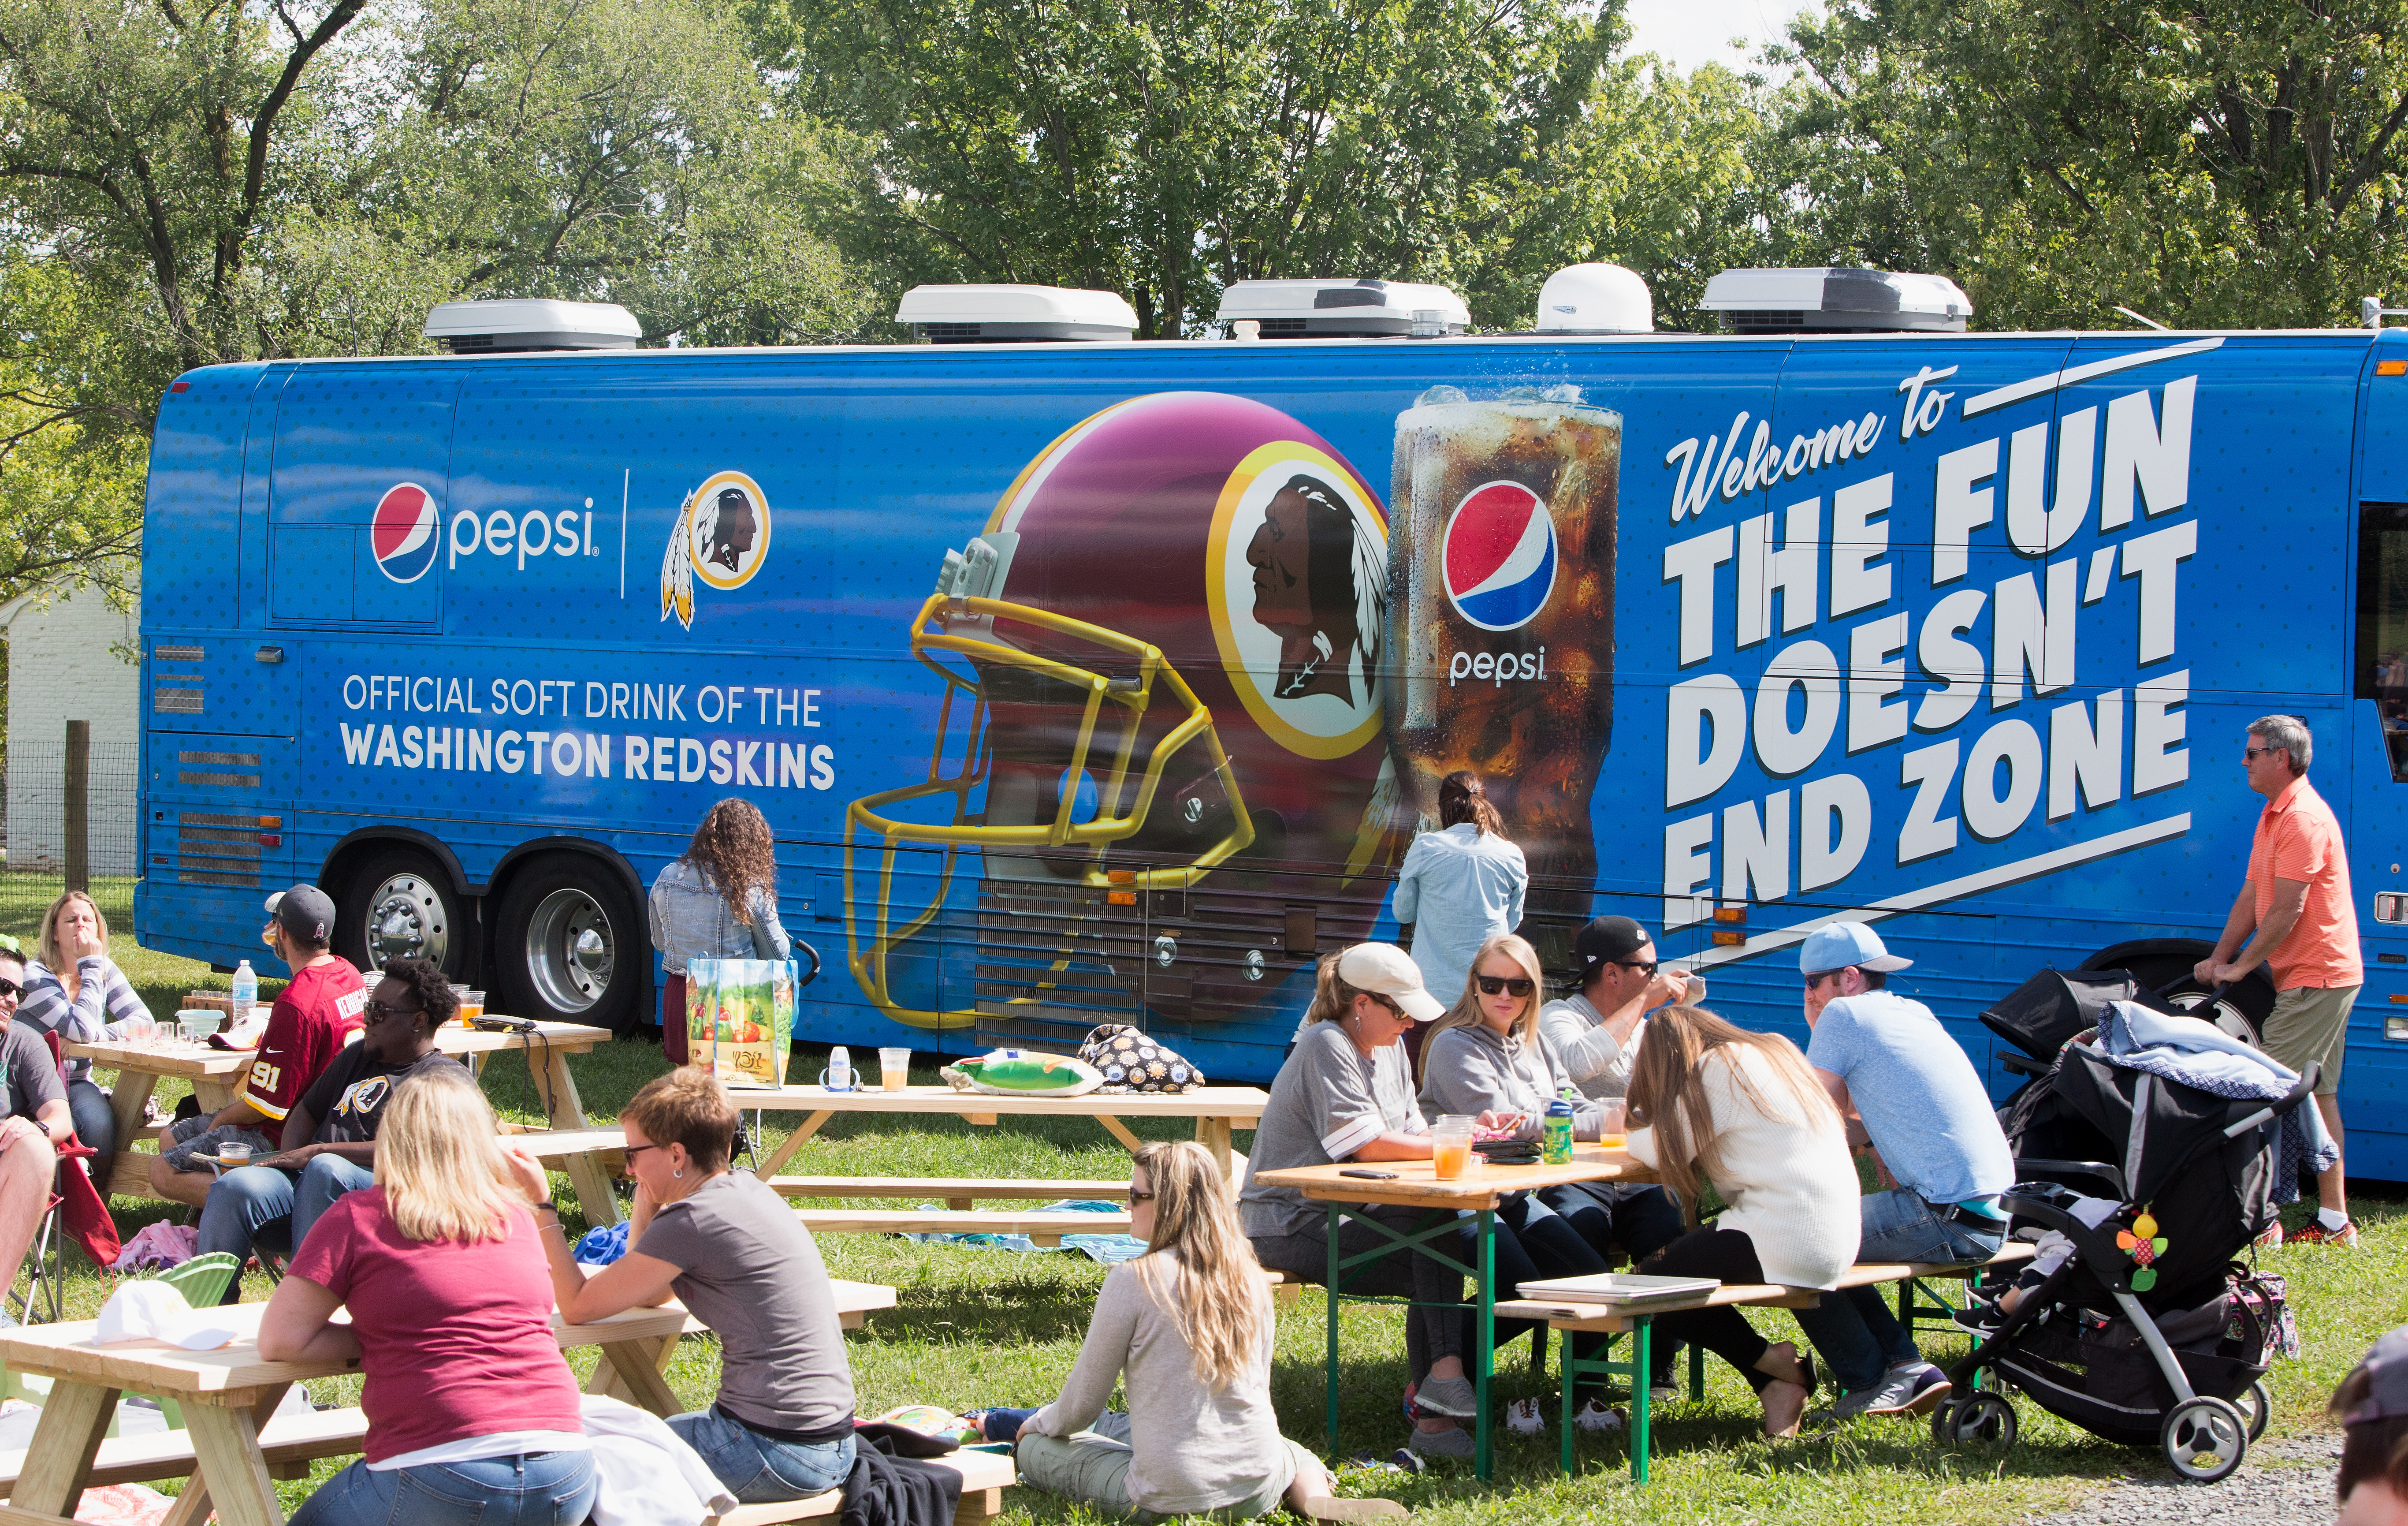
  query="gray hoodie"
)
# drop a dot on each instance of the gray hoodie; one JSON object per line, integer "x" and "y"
{"x": 1470, "y": 1069}
{"x": 1575, "y": 1030}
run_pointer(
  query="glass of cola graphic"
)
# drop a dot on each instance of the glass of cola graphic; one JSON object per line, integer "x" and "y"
{"x": 1501, "y": 622}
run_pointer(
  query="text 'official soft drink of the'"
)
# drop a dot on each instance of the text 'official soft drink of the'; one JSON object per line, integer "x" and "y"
{"x": 1502, "y": 620}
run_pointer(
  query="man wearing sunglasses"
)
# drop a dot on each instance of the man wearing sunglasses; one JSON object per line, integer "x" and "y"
{"x": 329, "y": 1135}
{"x": 316, "y": 1014}
{"x": 1615, "y": 965}
{"x": 33, "y": 1118}
{"x": 1908, "y": 1091}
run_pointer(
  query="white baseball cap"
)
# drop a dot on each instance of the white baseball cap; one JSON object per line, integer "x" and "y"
{"x": 1386, "y": 970}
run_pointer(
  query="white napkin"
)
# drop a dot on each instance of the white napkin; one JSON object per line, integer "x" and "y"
{"x": 153, "y": 1311}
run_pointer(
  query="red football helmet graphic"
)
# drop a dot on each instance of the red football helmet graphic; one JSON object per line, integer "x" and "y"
{"x": 1164, "y": 735}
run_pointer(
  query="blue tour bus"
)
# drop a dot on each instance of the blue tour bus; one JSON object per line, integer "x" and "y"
{"x": 1108, "y": 682}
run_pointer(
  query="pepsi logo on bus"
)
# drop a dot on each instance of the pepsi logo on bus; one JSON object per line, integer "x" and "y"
{"x": 1500, "y": 556}
{"x": 406, "y": 533}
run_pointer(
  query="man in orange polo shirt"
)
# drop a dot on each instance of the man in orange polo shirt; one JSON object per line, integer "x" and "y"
{"x": 2297, "y": 915}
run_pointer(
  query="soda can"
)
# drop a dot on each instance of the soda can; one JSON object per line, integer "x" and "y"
{"x": 1501, "y": 623}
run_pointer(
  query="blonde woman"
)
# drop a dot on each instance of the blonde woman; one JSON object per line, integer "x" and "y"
{"x": 72, "y": 989}
{"x": 1189, "y": 1326}
{"x": 1710, "y": 1101}
{"x": 472, "y": 1414}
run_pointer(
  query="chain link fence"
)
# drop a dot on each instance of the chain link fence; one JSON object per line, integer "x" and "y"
{"x": 39, "y": 822}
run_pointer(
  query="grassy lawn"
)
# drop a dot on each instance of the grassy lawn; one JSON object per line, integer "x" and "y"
{"x": 983, "y": 1326}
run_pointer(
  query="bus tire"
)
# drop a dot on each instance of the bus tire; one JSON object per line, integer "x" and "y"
{"x": 569, "y": 946}
{"x": 400, "y": 903}
{"x": 2164, "y": 965}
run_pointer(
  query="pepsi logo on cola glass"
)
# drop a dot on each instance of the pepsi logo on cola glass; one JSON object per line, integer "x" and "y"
{"x": 1501, "y": 617}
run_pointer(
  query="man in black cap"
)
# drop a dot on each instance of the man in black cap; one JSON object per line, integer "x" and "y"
{"x": 1619, "y": 981}
{"x": 315, "y": 1015}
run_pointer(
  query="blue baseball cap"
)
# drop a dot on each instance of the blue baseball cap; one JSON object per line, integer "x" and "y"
{"x": 1843, "y": 944}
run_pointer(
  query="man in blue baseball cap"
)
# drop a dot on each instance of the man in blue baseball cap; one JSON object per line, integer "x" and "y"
{"x": 1911, "y": 1094}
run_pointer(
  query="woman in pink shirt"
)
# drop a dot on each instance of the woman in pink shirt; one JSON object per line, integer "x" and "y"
{"x": 472, "y": 1412}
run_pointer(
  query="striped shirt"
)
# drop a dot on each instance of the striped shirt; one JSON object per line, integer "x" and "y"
{"x": 103, "y": 1001}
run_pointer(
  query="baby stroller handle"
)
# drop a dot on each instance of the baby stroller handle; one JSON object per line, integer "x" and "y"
{"x": 2110, "y": 1175}
{"x": 2097, "y": 1247}
{"x": 2298, "y": 1094}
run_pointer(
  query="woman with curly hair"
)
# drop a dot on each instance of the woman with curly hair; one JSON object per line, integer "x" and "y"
{"x": 717, "y": 902}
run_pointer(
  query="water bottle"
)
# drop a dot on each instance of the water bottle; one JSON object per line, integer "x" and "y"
{"x": 1558, "y": 1148}
{"x": 246, "y": 993}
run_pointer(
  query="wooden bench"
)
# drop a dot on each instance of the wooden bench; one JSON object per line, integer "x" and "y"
{"x": 1568, "y": 1320}
{"x": 955, "y": 1192}
{"x": 984, "y": 1477}
{"x": 290, "y": 1442}
{"x": 1043, "y": 1228}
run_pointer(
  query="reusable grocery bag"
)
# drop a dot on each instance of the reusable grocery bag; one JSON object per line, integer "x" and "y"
{"x": 741, "y": 1019}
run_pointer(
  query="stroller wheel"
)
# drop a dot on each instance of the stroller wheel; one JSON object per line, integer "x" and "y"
{"x": 1984, "y": 1419}
{"x": 2204, "y": 1439}
{"x": 2257, "y": 1406}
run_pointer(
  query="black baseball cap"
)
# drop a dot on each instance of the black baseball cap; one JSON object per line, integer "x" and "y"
{"x": 2387, "y": 1389}
{"x": 305, "y": 913}
{"x": 1606, "y": 940}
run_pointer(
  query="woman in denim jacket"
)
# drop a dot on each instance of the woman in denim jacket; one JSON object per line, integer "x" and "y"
{"x": 719, "y": 901}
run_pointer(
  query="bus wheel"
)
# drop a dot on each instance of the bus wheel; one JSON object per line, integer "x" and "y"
{"x": 568, "y": 943}
{"x": 401, "y": 906}
{"x": 2242, "y": 1010}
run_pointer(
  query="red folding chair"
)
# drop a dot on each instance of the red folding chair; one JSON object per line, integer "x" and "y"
{"x": 77, "y": 1200}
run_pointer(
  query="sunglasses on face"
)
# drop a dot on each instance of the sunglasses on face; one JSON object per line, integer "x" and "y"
{"x": 1813, "y": 981}
{"x": 9, "y": 987}
{"x": 384, "y": 1014}
{"x": 1646, "y": 967}
{"x": 1502, "y": 986}
{"x": 1137, "y": 1197}
{"x": 2249, "y": 753}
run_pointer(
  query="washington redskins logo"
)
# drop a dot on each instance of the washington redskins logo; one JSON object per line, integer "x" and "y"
{"x": 720, "y": 536}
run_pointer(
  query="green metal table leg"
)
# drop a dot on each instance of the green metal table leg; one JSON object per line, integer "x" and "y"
{"x": 1330, "y": 1418}
{"x": 1641, "y": 1364}
{"x": 1485, "y": 1461}
{"x": 1571, "y": 1369}
{"x": 1696, "y": 1373}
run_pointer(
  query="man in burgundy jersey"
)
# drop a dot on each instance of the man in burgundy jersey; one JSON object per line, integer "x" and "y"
{"x": 315, "y": 1016}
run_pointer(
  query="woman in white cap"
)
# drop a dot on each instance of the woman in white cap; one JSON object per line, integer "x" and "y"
{"x": 1346, "y": 1094}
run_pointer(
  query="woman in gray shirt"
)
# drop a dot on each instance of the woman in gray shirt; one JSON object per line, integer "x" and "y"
{"x": 1187, "y": 1331}
{"x": 736, "y": 1256}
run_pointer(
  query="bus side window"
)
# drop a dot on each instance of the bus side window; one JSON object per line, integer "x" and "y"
{"x": 2382, "y": 657}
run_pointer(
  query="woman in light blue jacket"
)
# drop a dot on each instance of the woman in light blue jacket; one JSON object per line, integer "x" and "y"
{"x": 717, "y": 901}
{"x": 1461, "y": 885}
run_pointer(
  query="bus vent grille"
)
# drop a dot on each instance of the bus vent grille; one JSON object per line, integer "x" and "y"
{"x": 167, "y": 702}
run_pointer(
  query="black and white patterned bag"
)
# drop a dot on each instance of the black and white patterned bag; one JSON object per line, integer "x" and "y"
{"x": 1130, "y": 1061}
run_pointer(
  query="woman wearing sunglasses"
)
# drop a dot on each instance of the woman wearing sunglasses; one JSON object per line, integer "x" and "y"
{"x": 1185, "y": 1332}
{"x": 1486, "y": 1056}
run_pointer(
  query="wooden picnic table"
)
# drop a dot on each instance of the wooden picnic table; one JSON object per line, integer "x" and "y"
{"x": 214, "y": 1072}
{"x": 1216, "y": 1111}
{"x": 1480, "y": 1191}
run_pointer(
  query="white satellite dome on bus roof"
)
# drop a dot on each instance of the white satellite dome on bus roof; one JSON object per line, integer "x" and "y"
{"x": 1014, "y": 314}
{"x": 500, "y": 326}
{"x": 1838, "y": 299}
{"x": 1595, "y": 299}
{"x": 1340, "y": 309}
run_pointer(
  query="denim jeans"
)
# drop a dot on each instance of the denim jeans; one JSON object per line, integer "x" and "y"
{"x": 1092, "y": 1468}
{"x": 245, "y": 1200}
{"x": 543, "y": 1488}
{"x": 94, "y": 1124}
{"x": 758, "y": 1469}
{"x": 1855, "y": 1330}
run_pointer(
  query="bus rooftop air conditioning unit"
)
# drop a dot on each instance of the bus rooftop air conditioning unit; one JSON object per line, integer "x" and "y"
{"x": 1838, "y": 299}
{"x": 517, "y": 323}
{"x": 1014, "y": 314}
{"x": 1343, "y": 310}
{"x": 1595, "y": 299}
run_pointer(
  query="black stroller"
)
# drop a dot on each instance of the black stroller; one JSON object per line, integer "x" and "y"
{"x": 2148, "y": 1333}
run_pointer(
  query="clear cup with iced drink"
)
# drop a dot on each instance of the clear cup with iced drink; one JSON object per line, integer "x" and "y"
{"x": 1451, "y": 1145}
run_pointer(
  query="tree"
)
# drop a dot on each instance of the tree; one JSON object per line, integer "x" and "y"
{"x": 1163, "y": 150}
{"x": 2208, "y": 163}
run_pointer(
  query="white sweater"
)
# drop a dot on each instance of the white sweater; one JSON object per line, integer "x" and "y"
{"x": 1791, "y": 1186}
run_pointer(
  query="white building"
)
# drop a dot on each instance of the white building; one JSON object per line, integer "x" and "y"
{"x": 71, "y": 658}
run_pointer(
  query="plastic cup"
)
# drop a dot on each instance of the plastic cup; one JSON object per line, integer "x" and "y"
{"x": 1451, "y": 1145}
{"x": 895, "y": 1069}
{"x": 235, "y": 1155}
{"x": 1612, "y": 1136}
{"x": 472, "y": 1006}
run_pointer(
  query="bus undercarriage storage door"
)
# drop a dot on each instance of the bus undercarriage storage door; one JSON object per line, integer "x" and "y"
{"x": 357, "y": 491}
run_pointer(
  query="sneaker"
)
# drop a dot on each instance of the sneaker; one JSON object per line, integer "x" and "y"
{"x": 1926, "y": 1386}
{"x": 1453, "y": 1398}
{"x": 1593, "y": 1415}
{"x": 1523, "y": 1417}
{"x": 1664, "y": 1393}
{"x": 1452, "y": 1442}
{"x": 2270, "y": 1240}
{"x": 1902, "y": 1390}
{"x": 2314, "y": 1233}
